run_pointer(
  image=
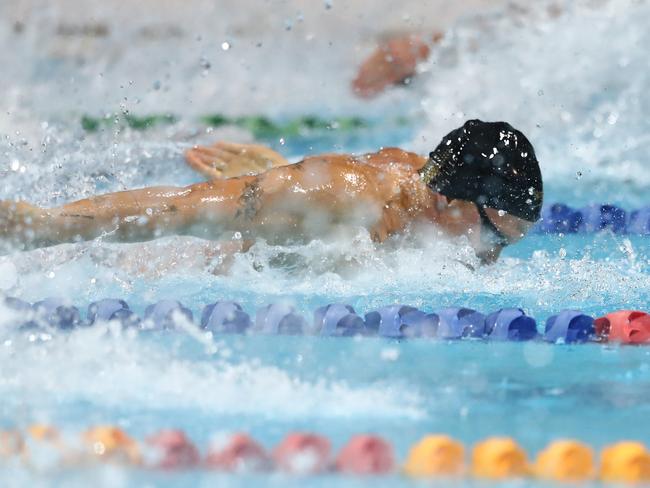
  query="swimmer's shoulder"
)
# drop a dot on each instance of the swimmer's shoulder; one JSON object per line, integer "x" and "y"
{"x": 394, "y": 156}
{"x": 390, "y": 158}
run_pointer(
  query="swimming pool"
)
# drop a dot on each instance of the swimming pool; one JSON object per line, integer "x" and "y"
{"x": 591, "y": 140}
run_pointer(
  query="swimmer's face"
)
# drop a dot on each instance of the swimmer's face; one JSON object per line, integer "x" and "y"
{"x": 513, "y": 228}
{"x": 459, "y": 215}
{"x": 462, "y": 217}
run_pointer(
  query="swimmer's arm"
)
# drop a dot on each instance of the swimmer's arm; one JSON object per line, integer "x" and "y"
{"x": 227, "y": 160}
{"x": 123, "y": 216}
{"x": 393, "y": 62}
{"x": 201, "y": 210}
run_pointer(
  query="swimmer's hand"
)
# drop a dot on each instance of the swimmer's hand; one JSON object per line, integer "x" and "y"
{"x": 393, "y": 62}
{"x": 229, "y": 160}
{"x": 21, "y": 224}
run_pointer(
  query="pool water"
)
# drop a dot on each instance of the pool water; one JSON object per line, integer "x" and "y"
{"x": 578, "y": 90}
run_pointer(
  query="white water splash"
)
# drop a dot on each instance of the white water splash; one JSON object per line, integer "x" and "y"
{"x": 571, "y": 75}
{"x": 68, "y": 366}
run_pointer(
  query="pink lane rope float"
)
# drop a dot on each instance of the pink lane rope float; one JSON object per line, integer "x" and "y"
{"x": 304, "y": 454}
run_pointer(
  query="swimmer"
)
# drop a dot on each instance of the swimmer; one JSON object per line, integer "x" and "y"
{"x": 482, "y": 181}
{"x": 397, "y": 57}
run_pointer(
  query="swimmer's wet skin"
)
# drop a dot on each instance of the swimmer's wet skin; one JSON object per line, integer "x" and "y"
{"x": 482, "y": 181}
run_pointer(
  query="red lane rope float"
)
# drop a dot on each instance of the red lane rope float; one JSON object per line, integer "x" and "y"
{"x": 237, "y": 453}
{"x": 366, "y": 454}
{"x": 299, "y": 453}
{"x": 625, "y": 326}
{"x": 171, "y": 449}
{"x": 303, "y": 453}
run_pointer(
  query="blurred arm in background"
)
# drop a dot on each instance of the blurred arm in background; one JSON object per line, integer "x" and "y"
{"x": 393, "y": 62}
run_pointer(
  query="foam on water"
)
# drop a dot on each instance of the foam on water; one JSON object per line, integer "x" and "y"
{"x": 424, "y": 271}
{"x": 90, "y": 366}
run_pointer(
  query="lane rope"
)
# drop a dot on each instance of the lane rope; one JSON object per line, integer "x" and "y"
{"x": 306, "y": 453}
{"x": 336, "y": 320}
{"x": 560, "y": 218}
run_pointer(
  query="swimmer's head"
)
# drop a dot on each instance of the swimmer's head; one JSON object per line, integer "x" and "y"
{"x": 494, "y": 166}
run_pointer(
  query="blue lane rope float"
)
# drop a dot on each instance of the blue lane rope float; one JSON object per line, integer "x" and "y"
{"x": 416, "y": 323}
{"x": 333, "y": 320}
{"x": 165, "y": 315}
{"x": 569, "y": 326}
{"x": 57, "y": 312}
{"x": 510, "y": 324}
{"x": 280, "y": 318}
{"x": 600, "y": 217}
{"x": 561, "y": 218}
{"x": 111, "y": 309}
{"x": 457, "y": 323}
{"x": 398, "y": 321}
{"x": 338, "y": 320}
{"x": 640, "y": 221}
{"x": 225, "y": 317}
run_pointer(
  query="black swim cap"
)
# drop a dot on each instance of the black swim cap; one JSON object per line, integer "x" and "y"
{"x": 491, "y": 164}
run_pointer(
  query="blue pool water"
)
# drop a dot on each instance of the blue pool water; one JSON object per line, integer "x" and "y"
{"x": 588, "y": 122}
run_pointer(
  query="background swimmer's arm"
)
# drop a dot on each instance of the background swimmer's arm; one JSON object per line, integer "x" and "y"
{"x": 393, "y": 62}
{"x": 228, "y": 160}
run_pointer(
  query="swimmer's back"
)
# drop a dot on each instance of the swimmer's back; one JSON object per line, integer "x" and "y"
{"x": 378, "y": 191}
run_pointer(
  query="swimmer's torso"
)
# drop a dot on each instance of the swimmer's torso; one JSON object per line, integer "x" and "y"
{"x": 380, "y": 192}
